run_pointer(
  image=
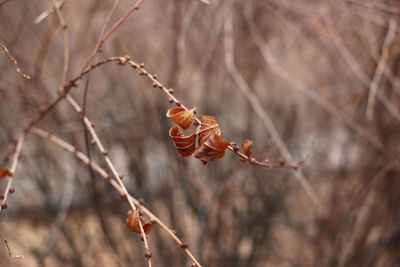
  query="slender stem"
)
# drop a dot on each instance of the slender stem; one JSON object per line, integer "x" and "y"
{"x": 66, "y": 46}
{"x": 14, "y": 61}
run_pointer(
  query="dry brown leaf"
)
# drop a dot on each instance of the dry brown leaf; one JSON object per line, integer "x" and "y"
{"x": 184, "y": 118}
{"x": 213, "y": 148}
{"x": 132, "y": 222}
{"x": 185, "y": 144}
{"x": 247, "y": 144}
{"x": 4, "y": 173}
{"x": 208, "y": 127}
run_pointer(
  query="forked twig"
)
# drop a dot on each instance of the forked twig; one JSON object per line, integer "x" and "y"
{"x": 14, "y": 163}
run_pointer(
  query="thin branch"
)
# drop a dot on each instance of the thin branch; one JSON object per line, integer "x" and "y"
{"x": 47, "y": 12}
{"x": 66, "y": 46}
{"x": 376, "y": 6}
{"x": 380, "y": 68}
{"x": 14, "y": 61}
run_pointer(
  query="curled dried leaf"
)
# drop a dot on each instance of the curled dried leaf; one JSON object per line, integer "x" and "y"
{"x": 247, "y": 144}
{"x": 185, "y": 144}
{"x": 213, "y": 148}
{"x": 184, "y": 118}
{"x": 208, "y": 127}
{"x": 4, "y": 173}
{"x": 132, "y": 222}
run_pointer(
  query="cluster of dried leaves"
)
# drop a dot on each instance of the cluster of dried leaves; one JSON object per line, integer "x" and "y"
{"x": 211, "y": 145}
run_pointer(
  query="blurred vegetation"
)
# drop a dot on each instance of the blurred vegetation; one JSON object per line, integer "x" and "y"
{"x": 310, "y": 64}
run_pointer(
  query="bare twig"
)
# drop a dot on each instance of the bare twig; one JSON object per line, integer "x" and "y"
{"x": 380, "y": 68}
{"x": 47, "y": 12}
{"x": 14, "y": 61}
{"x": 66, "y": 46}
{"x": 376, "y": 6}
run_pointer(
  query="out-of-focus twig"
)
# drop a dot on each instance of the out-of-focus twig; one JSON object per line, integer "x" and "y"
{"x": 62, "y": 213}
{"x": 356, "y": 68}
{"x": 47, "y": 12}
{"x": 104, "y": 37}
{"x": 9, "y": 249}
{"x": 117, "y": 176}
{"x": 376, "y": 6}
{"x": 380, "y": 68}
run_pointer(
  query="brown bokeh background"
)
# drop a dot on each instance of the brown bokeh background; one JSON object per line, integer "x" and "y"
{"x": 309, "y": 64}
